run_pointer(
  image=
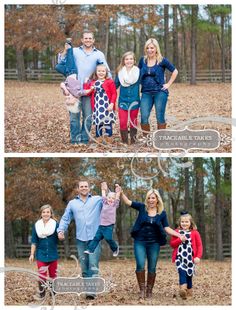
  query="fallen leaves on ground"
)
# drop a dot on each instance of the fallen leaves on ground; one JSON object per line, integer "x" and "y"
{"x": 36, "y": 119}
{"x": 211, "y": 285}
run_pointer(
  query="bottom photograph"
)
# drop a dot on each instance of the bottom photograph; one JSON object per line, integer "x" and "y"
{"x": 117, "y": 231}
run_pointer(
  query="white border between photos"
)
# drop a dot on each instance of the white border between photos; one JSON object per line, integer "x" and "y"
{"x": 3, "y": 155}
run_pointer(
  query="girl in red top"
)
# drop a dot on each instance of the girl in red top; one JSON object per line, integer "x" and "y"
{"x": 103, "y": 101}
{"x": 186, "y": 253}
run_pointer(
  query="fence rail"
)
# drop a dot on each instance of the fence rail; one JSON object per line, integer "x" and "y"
{"x": 126, "y": 251}
{"x": 42, "y": 75}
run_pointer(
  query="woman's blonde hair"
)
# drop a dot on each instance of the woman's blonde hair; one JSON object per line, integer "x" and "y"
{"x": 158, "y": 51}
{"x": 94, "y": 75}
{"x": 122, "y": 62}
{"x": 51, "y": 210}
{"x": 193, "y": 226}
{"x": 160, "y": 206}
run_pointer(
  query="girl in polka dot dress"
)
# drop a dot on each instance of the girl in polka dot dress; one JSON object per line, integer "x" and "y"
{"x": 103, "y": 101}
{"x": 186, "y": 253}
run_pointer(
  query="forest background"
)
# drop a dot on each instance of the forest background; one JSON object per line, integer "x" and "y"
{"x": 193, "y": 37}
{"x": 200, "y": 185}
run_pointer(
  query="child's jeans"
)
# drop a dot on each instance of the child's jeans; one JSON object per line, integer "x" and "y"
{"x": 108, "y": 130}
{"x": 67, "y": 66}
{"x": 184, "y": 278}
{"x": 103, "y": 232}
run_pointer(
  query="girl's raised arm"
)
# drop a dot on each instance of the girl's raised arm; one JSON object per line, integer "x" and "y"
{"x": 104, "y": 189}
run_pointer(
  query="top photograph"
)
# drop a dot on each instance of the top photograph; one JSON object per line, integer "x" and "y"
{"x": 118, "y": 78}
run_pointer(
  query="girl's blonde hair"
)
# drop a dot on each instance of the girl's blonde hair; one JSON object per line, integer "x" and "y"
{"x": 193, "y": 226}
{"x": 160, "y": 206}
{"x": 111, "y": 194}
{"x": 94, "y": 75}
{"x": 158, "y": 51}
{"x": 51, "y": 210}
{"x": 122, "y": 62}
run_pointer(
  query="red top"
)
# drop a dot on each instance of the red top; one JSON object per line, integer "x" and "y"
{"x": 110, "y": 89}
{"x": 196, "y": 244}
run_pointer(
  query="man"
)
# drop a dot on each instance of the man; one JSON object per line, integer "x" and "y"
{"x": 85, "y": 209}
{"x": 86, "y": 58}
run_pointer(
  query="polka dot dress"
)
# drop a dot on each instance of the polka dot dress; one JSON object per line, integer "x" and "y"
{"x": 100, "y": 115}
{"x": 184, "y": 259}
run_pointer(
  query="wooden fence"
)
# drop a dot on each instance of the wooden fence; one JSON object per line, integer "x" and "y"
{"x": 126, "y": 251}
{"x": 41, "y": 75}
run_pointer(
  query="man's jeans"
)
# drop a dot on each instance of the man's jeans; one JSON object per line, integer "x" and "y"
{"x": 89, "y": 263}
{"x": 81, "y": 134}
{"x": 144, "y": 250}
{"x": 147, "y": 101}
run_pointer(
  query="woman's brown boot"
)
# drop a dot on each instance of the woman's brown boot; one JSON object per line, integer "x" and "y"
{"x": 150, "y": 283}
{"x": 161, "y": 126}
{"x": 145, "y": 129}
{"x": 141, "y": 282}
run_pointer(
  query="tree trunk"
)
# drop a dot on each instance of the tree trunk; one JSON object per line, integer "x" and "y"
{"x": 174, "y": 205}
{"x": 193, "y": 43}
{"x": 175, "y": 38}
{"x": 199, "y": 199}
{"x": 166, "y": 30}
{"x": 218, "y": 211}
{"x": 222, "y": 22}
{"x": 186, "y": 189}
{"x": 183, "y": 58}
{"x": 35, "y": 59}
{"x": 24, "y": 231}
{"x": 211, "y": 56}
{"x": 119, "y": 225}
{"x": 10, "y": 251}
{"x": 142, "y": 36}
{"x": 20, "y": 66}
{"x": 66, "y": 246}
{"x": 106, "y": 48}
{"x": 226, "y": 216}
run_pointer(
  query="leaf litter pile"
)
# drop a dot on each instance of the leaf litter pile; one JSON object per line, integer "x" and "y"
{"x": 211, "y": 285}
{"x": 36, "y": 119}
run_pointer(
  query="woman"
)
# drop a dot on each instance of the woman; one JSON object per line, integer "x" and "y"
{"x": 44, "y": 243}
{"x": 149, "y": 233}
{"x": 154, "y": 87}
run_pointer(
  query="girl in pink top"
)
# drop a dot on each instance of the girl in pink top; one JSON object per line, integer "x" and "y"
{"x": 108, "y": 218}
{"x": 186, "y": 253}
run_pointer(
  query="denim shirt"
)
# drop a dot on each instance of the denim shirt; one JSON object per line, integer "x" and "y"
{"x": 46, "y": 248}
{"x": 86, "y": 215}
{"x": 128, "y": 95}
{"x": 153, "y": 78}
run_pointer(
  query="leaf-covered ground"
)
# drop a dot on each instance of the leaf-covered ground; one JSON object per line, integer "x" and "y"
{"x": 36, "y": 119}
{"x": 212, "y": 284}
